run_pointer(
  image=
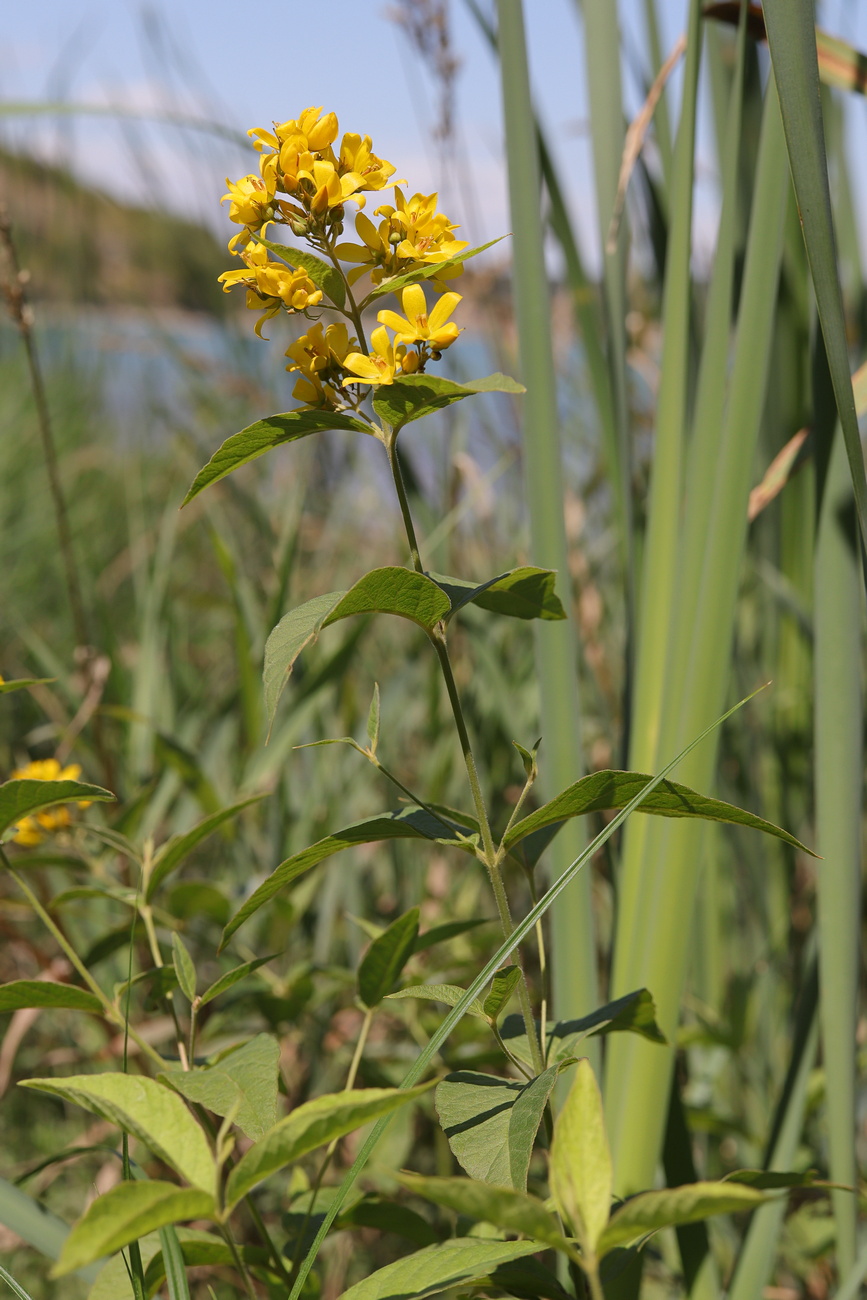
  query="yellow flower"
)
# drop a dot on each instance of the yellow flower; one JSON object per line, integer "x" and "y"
{"x": 384, "y": 364}
{"x": 357, "y": 156}
{"x": 425, "y": 233}
{"x": 319, "y": 356}
{"x": 30, "y": 829}
{"x": 252, "y": 202}
{"x": 270, "y": 285}
{"x": 436, "y": 330}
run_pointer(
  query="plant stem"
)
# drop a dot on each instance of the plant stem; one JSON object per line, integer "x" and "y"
{"x": 111, "y": 1012}
{"x": 400, "y": 487}
{"x": 146, "y": 913}
{"x": 354, "y": 314}
{"x": 239, "y": 1262}
{"x": 266, "y": 1237}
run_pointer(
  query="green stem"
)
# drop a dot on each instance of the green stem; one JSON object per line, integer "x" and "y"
{"x": 110, "y": 1011}
{"x": 239, "y": 1263}
{"x": 266, "y": 1237}
{"x": 516, "y": 1061}
{"x": 400, "y": 487}
{"x": 353, "y": 313}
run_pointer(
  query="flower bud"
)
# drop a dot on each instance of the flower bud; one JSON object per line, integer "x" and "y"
{"x": 299, "y": 228}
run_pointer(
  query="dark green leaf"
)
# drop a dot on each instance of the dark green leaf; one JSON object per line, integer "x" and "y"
{"x": 442, "y": 933}
{"x": 394, "y": 591}
{"x": 609, "y": 789}
{"x": 438, "y": 1268}
{"x": 528, "y": 1280}
{"x": 386, "y": 958}
{"x": 256, "y": 439}
{"x": 427, "y": 272}
{"x": 199, "y": 1249}
{"x": 171, "y": 854}
{"x": 311, "y": 1126}
{"x": 408, "y": 824}
{"x": 45, "y": 993}
{"x": 20, "y": 798}
{"x": 197, "y": 898}
{"x": 767, "y": 1180}
{"x": 295, "y": 630}
{"x": 414, "y": 396}
{"x": 502, "y": 1206}
{"x": 184, "y": 967}
{"x": 651, "y": 1211}
{"x": 389, "y": 1216}
{"x": 325, "y": 277}
{"x": 502, "y": 987}
{"x": 232, "y": 977}
{"x": 124, "y": 1214}
{"x": 633, "y": 1013}
{"x": 243, "y": 1082}
{"x": 525, "y": 593}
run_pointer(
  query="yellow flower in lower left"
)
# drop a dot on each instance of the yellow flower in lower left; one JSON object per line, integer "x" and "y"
{"x": 31, "y": 830}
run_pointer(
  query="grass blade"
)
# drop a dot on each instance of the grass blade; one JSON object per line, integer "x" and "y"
{"x": 573, "y": 946}
{"x": 14, "y": 1286}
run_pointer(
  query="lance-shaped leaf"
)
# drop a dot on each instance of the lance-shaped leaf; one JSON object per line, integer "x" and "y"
{"x": 438, "y": 1268}
{"x": 651, "y": 1211}
{"x": 528, "y": 1280}
{"x": 310, "y": 1126}
{"x": 197, "y": 1249}
{"x": 526, "y": 593}
{"x": 243, "y": 1084}
{"x": 580, "y": 1169}
{"x": 426, "y": 272}
{"x": 390, "y": 590}
{"x": 20, "y": 798}
{"x": 609, "y": 789}
{"x": 389, "y": 1216}
{"x": 442, "y": 933}
{"x": 325, "y": 277}
{"x": 171, "y": 854}
{"x": 256, "y": 439}
{"x": 20, "y": 683}
{"x": 233, "y": 977}
{"x": 124, "y": 1214}
{"x": 148, "y": 1111}
{"x": 386, "y": 958}
{"x": 185, "y": 968}
{"x": 502, "y": 1206}
{"x": 840, "y": 64}
{"x": 634, "y": 1013}
{"x": 408, "y": 824}
{"x": 450, "y": 994}
{"x": 414, "y": 396}
{"x": 502, "y": 988}
{"x": 47, "y": 993}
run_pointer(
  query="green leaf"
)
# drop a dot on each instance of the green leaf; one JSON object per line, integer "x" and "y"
{"x": 651, "y": 1211}
{"x": 427, "y": 272}
{"x": 184, "y": 967}
{"x": 310, "y": 1126}
{"x": 232, "y": 977}
{"x": 772, "y": 1180}
{"x": 244, "y": 1083}
{"x": 525, "y": 593}
{"x": 633, "y": 1013}
{"x": 386, "y": 958}
{"x": 373, "y": 719}
{"x": 389, "y": 1216}
{"x": 149, "y": 1112}
{"x": 792, "y": 43}
{"x": 31, "y": 1221}
{"x": 442, "y": 933}
{"x": 502, "y": 988}
{"x": 502, "y": 1206}
{"x": 407, "y": 824}
{"x": 15, "y": 1287}
{"x": 524, "y": 1120}
{"x": 198, "y": 1249}
{"x": 46, "y": 993}
{"x": 580, "y": 1166}
{"x": 438, "y": 1268}
{"x": 415, "y": 396}
{"x": 256, "y": 439}
{"x": 295, "y": 630}
{"x": 20, "y": 798}
{"x": 450, "y": 994}
{"x": 198, "y": 898}
{"x": 528, "y": 1280}
{"x": 325, "y": 277}
{"x": 393, "y": 590}
{"x": 125, "y": 1213}
{"x": 173, "y": 1264}
{"x": 171, "y": 854}
{"x": 609, "y": 789}
{"x": 475, "y": 1112}
{"x": 20, "y": 683}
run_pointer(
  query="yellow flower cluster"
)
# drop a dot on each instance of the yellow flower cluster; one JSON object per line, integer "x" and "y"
{"x": 31, "y": 830}
{"x": 305, "y": 181}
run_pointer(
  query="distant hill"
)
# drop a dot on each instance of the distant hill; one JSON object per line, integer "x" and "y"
{"x": 82, "y": 246}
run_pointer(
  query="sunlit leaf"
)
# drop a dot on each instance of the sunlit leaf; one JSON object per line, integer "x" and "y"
{"x": 125, "y": 1213}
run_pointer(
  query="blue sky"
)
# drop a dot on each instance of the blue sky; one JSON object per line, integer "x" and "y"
{"x": 248, "y": 66}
